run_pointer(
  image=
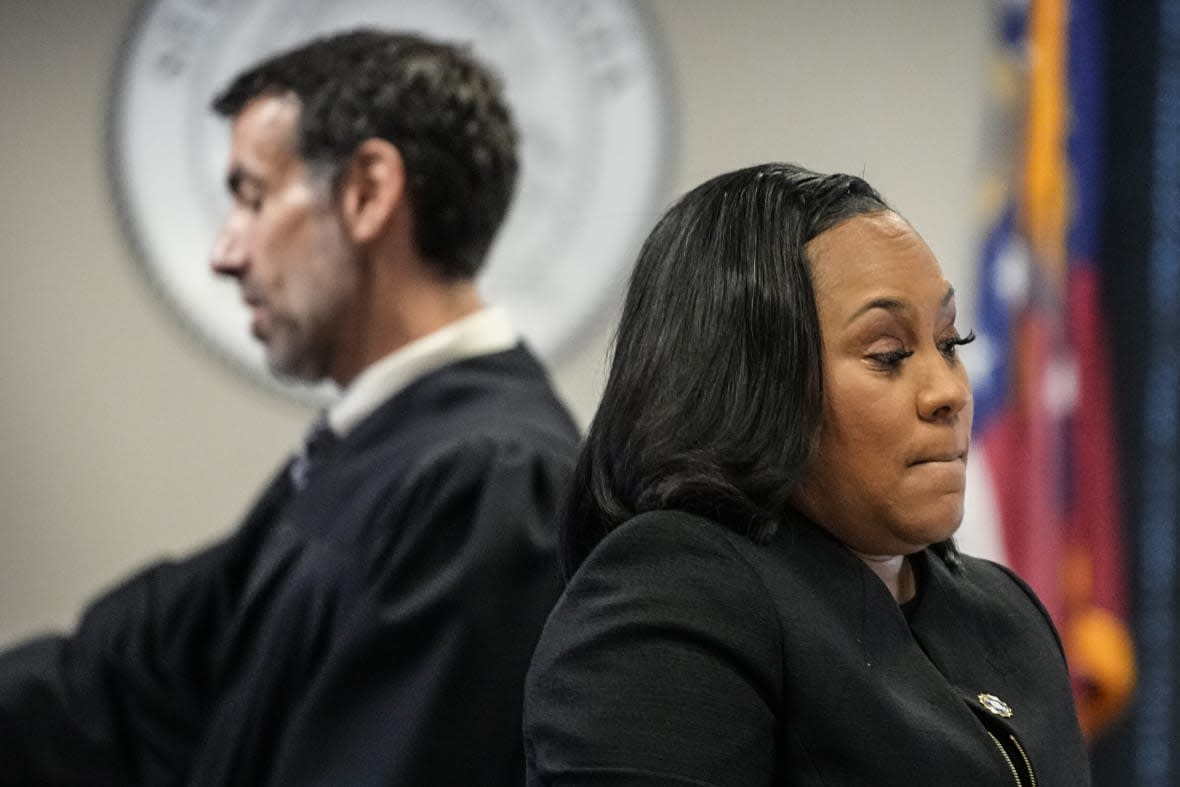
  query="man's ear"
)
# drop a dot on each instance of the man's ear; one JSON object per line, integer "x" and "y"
{"x": 372, "y": 189}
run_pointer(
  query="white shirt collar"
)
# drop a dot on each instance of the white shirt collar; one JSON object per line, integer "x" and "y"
{"x": 487, "y": 331}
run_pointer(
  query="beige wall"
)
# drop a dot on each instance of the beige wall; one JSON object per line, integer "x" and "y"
{"x": 123, "y": 440}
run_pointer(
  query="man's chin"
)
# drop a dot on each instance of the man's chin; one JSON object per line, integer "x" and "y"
{"x": 292, "y": 370}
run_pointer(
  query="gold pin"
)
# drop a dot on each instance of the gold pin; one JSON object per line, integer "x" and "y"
{"x": 994, "y": 704}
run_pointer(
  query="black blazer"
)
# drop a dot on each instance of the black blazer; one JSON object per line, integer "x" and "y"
{"x": 682, "y": 653}
{"x": 374, "y": 630}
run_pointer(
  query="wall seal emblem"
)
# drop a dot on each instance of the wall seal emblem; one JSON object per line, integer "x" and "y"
{"x": 592, "y": 98}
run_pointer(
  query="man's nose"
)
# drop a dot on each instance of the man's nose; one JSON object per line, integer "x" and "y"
{"x": 228, "y": 257}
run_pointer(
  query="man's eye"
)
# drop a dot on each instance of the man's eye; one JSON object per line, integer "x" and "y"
{"x": 247, "y": 198}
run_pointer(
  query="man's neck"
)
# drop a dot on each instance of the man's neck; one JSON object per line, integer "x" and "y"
{"x": 388, "y": 322}
{"x": 485, "y": 332}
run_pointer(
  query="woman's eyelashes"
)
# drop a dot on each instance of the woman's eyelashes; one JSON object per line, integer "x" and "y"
{"x": 949, "y": 345}
{"x": 891, "y": 360}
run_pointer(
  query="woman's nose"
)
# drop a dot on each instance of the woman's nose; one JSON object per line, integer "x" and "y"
{"x": 946, "y": 390}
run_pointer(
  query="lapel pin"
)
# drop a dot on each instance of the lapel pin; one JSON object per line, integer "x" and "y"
{"x": 994, "y": 704}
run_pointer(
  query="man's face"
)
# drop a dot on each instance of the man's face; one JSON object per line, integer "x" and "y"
{"x": 890, "y": 471}
{"x": 284, "y": 244}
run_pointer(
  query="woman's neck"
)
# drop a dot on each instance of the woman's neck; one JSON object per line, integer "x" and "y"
{"x": 896, "y": 572}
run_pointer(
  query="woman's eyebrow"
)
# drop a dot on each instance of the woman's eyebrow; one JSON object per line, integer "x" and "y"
{"x": 888, "y": 304}
{"x": 898, "y": 306}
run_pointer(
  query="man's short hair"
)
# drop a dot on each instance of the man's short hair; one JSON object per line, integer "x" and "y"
{"x": 442, "y": 109}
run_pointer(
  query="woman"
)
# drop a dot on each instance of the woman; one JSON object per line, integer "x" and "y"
{"x": 764, "y": 588}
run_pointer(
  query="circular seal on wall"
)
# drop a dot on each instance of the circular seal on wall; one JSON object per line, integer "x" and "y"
{"x": 591, "y": 97}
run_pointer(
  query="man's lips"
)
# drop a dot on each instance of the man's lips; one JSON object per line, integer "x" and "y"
{"x": 257, "y": 307}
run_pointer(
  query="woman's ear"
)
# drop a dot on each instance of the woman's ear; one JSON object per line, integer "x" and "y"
{"x": 372, "y": 190}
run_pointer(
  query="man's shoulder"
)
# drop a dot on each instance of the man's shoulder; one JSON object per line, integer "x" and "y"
{"x": 512, "y": 374}
{"x": 501, "y": 402}
{"x": 466, "y": 431}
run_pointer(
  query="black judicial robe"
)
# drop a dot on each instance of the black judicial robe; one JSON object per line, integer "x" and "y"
{"x": 683, "y": 653}
{"x": 373, "y": 630}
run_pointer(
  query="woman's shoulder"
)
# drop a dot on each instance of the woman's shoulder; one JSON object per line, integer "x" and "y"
{"x": 673, "y": 572}
{"x": 788, "y": 571}
{"x": 999, "y": 599}
{"x": 670, "y": 528}
{"x": 663, "y": 618}
{"x": 670, "y": 531}
{"x": 994, "y": 581}
{"x": 670, "y": 551}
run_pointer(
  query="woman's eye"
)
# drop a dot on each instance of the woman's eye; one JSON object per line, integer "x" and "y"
{"x": 891, "y": 359}
{"x": 948, "y": 345}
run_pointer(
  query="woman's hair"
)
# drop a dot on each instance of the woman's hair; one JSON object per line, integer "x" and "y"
{"x": 715, "y": 395}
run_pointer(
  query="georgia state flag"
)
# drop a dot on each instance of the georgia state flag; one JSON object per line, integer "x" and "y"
{"x": 1042, "y": 486}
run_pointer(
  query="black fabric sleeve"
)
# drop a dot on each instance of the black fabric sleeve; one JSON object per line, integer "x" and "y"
{"x": 119, "y": 701}
{"x": 424, "y": 684}
{"x": 123, "y": 700}
{"x": 661, "y": 665}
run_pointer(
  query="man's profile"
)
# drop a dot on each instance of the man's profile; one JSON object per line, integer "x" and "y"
{"x": 371, "y": 620}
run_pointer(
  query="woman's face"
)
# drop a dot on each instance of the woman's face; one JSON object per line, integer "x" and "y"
{"x": 890, "y": 471}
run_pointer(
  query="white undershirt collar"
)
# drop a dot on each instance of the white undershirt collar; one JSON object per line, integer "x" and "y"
{"x": 487, "y": 331}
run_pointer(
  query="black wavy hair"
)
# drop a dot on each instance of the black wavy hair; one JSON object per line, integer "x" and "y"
{"x": 714, "y": 400}
{"x": 443, "y": 110}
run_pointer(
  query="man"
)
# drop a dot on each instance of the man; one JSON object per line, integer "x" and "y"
{"x": 371, "y": 621}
